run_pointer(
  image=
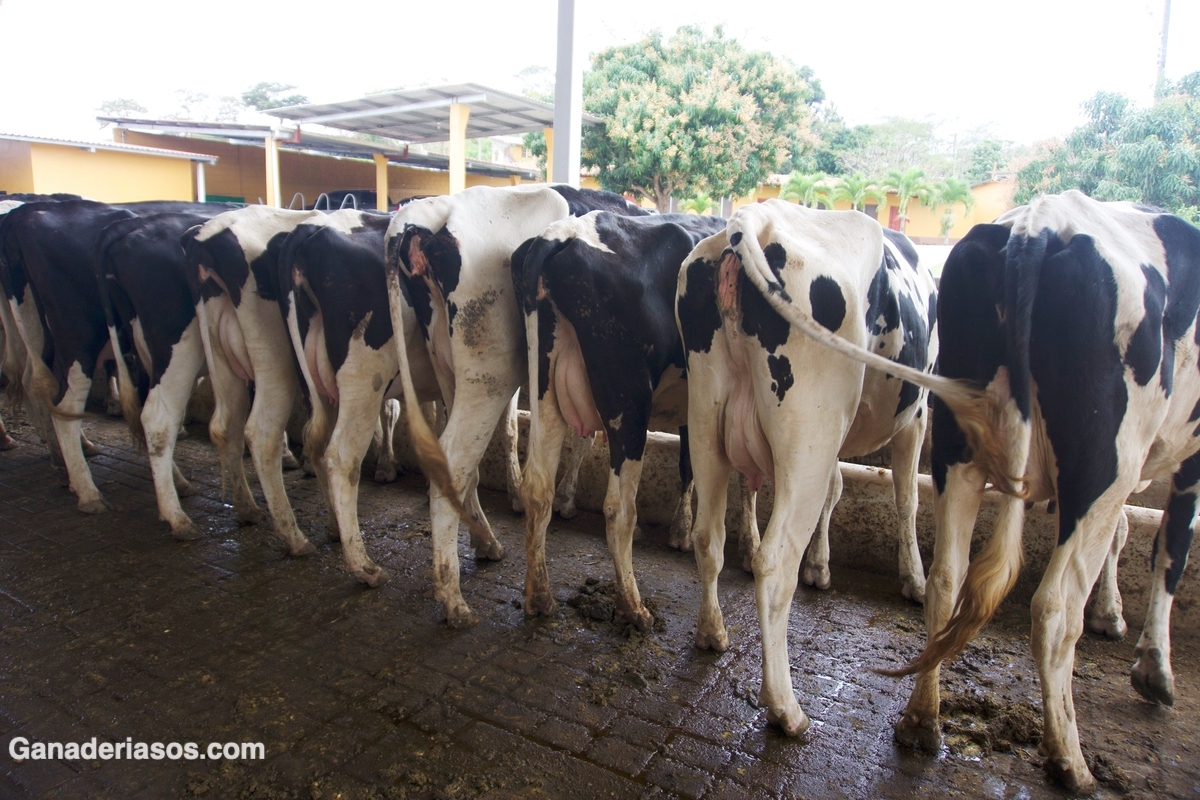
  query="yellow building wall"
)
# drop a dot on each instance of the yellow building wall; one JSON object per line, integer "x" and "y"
{"x": 109, "y": 176}
{"x": 16, "y": 167}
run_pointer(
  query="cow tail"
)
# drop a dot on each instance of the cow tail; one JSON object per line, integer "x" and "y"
{"x": 131, "y": 406}
{"x": 977, "y": 412}
{"x": 430, "y": 456}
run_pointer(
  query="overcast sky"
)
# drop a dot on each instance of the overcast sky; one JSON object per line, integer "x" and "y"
{"x": 1023, "y": 66}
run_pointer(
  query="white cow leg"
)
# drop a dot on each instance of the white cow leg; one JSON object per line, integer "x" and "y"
{"x": 564, "y": 497}
{"x": 1151, "y": 674}
{"x": 906, "y": 455}
{"x": 1057, "y": 612}
{"x": 290, "y": 461}
{"x": 358, "y": 414}
{"x": 816, "y": 565}
{"x": 317, "y": 433}
{"x": 955, "y": 511}
{"x": 112, "y": 403}
{"x": 711, "y": 487}
{"x": 385, "y": 464}
{"x": 265, "y": 432}
{"x": 620, "y": 517}
{"x": 69, "y": 429}
{"x": 161, "y": 416}
{"x": 748, "y": 536}
{"x": 776, "y": 573}
{"x": 537, "y": 494}
{"x": 473, "y": 418}
{"x": 512, "y": 462}
{"x": 1106, "y": 615}
{"x": 682, "y": 521}
{"x": 227, "y": 430}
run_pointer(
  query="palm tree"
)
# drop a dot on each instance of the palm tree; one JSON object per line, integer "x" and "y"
{"x": 806, "y": 188}
{"x": 857, "y": 189}
{"x": 700, "y": 204}
{"x": 950, "y": 193}
{"x": 907, "y": 185}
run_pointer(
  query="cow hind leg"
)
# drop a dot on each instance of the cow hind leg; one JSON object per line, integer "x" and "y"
{"x": 541, "y": 464}
{"x": 265, "y": 434}
{"x": 620, "y": 515}
{"x": 748, "y": 536}
{"x": 906, "y": 455}
{"x": 1151, "y": 674}
{"x": 816, "y": 564}
{"x": 69, "y": 430}
{"x": 227, "y": 430}
{"x": 711, "y": 482}
{"x": 1105, "y": 615}
{"x": 564, "y": 496}
{"x": 6, "y": 441}
{"x": 385, "y": 464}
{"x": 680, "y": 537}
{"x": 955, "y": 509}
{"x": 512, "y": 462}
{"x": 1057, "y": 612}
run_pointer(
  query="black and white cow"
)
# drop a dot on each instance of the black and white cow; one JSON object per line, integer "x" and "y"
{"x": 47, "y": 254}
{"x": 757, "y": 312}
{"x": 1080, "y": 317}
{"x": 604, "y": 354}
{"x": 155, "y": 333}
{"x": 453, "y": 254}
{"x": 334, "y": 300}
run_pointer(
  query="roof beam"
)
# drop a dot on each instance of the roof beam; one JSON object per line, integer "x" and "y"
{"x": 442, "y": 102}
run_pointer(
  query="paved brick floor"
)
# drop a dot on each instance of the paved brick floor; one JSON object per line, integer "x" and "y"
{"x": 111, "y": 629}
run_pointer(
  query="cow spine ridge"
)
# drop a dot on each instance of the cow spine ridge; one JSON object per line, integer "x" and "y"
{"x": 977, "y": 412}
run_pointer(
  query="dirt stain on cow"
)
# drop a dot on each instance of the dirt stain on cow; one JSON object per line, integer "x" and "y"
{"x": 470, "y": 317}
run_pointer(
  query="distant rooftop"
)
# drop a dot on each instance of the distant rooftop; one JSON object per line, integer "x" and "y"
{"x": 423, "y": 115}
{"x": 115, "y": 146}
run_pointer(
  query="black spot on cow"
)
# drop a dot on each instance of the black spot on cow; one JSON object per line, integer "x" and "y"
{"x": 781, "y": 375}
{"x": 223, "y": 255}
{"x": 699, "y": 317}
{"x": 776, "y": 260}
{"x": 903, "y": 244}
{"x": 736, "y": 239}
{"x": 1145, "y": 350}
{"x": 883, "y": 312}
{"x": 1181, "y": 243}
{"x": 914, "y": 352}
{"x": 1079, "y": 373}
{"x": 266, "y": 268}
{"x": 1180, "y": 515}
{"x": 1195, "y": 415}
{"x": 759, "y": 319}
{"x": 970, "y": 333}
{"x": 546, "y": 326}
{"x": 445, "y": 260}
{"x": 582, "y": 201}
{"x": 828, "y": 303}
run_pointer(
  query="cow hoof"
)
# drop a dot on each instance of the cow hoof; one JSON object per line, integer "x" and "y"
{"x": 113, "y": 408}
{"x": 1075, "y": 781}
{"x": 309, "y": 470}
{"x": 913, "y": 591}
{"x": 680, "y": 540}
{"x": 303, "y": 548}
{"x": 289, "y": 461}
{"x": 7, "y": 443}
{"x": 517, "y": 506}
{"x": 817, "y": 577}
{"x": 920, "y": 734}
{"x": 717, "y": 641}
{"x": 566, "y": 510}
{"x": 187, "y": 533}
{"x": 385, "y": 475}
{"x": 90, "y": 450}
{"x": 492, "y": 551}
{"x": 372, "y": 575}
{"x": 748, "y": 564}
{"x": 97, "y": 506}
{"x": 793, "y": 721}
{"x": 461, "y": 616}
{"x": 250, "y": 515}
{"x": 1110, "y": 626}
{"x": 184, "y": 489}
{"x": 540, "y": 605}
{"x": 1151, "y": 679}
{"x": 641, "y": 619}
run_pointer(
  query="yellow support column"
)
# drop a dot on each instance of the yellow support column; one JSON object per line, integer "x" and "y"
{"x": 381, "y": 182}
{"x": 549, "y": 154}
{"x": 458, "y": 146}
{"x": 272, "y": 147}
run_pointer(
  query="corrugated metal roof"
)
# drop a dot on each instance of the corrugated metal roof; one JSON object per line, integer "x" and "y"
{"x": 115, "y": 146}
{"x": 423, "y": 115}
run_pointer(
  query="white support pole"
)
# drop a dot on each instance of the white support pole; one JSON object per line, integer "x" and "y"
{"x": 273, "y": 198}
{"x": 568, "y": 98}
{"x": 201, "y": 190}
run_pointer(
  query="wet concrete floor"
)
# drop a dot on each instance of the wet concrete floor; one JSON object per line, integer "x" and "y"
{"x": 110, "y": 629}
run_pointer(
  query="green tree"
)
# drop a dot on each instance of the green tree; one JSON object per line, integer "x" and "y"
{"x": 907, "y": 185}
{"x": 949, "y": 193}
{"x": 987, "y": 157}
{"x": 700, "y": 204}
{"x": 1145, "y": 155}
{"x": 120, "y": 107}
{"x": 806, "y": 188}
{"x": 857, "y": 189}
{"x": 696, "y": 113}
{"x": 265, "y": 94}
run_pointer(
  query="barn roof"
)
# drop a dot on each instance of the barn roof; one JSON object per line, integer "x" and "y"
{"x": 162, "y": 152}
{"x": 423, "y": 115}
